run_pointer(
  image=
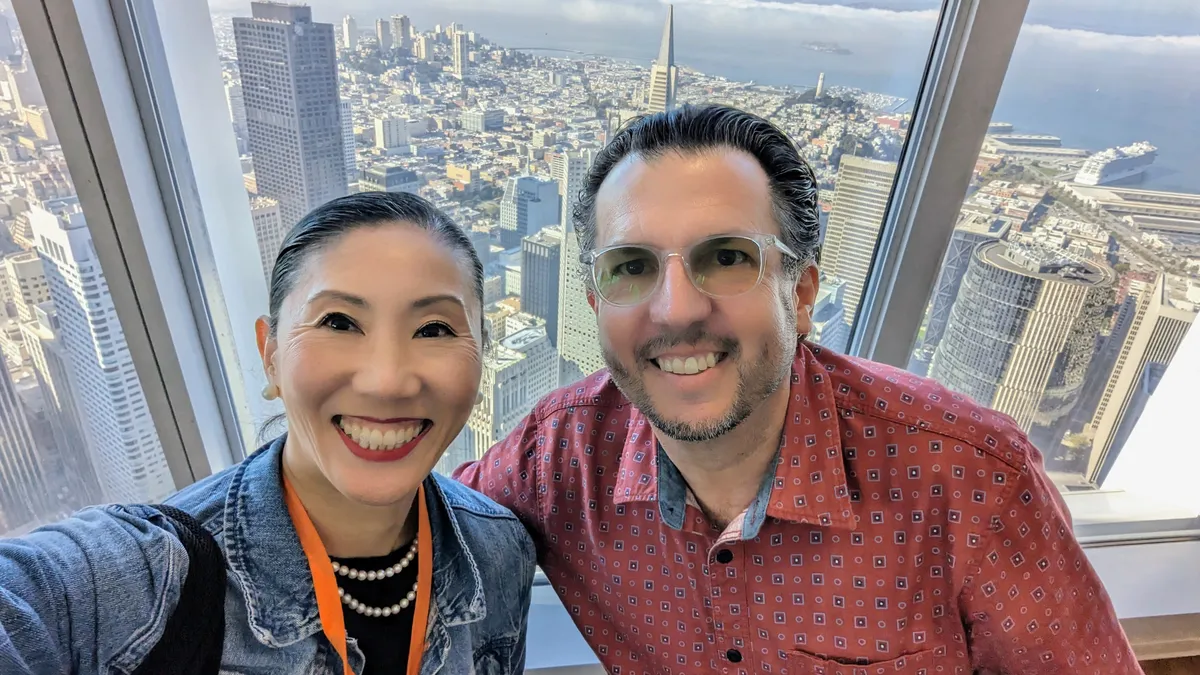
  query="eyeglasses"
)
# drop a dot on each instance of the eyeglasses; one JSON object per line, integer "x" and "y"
{"x": 721, "y": 266}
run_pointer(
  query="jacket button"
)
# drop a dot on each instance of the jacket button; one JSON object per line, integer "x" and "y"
{"x": 734, "y": 656}
{"x": 724, "y": 556}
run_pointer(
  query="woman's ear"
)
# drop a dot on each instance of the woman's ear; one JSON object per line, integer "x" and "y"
{"x": 266, "y": 344}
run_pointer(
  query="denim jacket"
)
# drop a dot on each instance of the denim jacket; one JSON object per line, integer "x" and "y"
{"x": 91, "y": 594}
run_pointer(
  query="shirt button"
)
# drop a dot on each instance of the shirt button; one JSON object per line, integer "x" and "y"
{"x": 734, "y": 656}
{"x": 724, "y": 556}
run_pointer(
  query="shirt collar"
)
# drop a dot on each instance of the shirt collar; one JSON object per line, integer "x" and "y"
{"x": 265, "y": 556}
{"x": 809, "y": 483}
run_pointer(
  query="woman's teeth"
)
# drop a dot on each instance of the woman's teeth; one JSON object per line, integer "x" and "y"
{"x": 387, "y": 437}
{"x": 689, "y": 366}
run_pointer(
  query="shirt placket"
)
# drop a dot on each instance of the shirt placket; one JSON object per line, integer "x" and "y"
{"x": 727, "y": 592}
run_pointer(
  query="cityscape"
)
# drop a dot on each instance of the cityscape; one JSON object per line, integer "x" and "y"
{"x": 1065, "y": 292}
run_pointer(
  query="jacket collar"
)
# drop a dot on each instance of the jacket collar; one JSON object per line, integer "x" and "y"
{"x": 809, "y": 483}
{"x": 265, "y": 556}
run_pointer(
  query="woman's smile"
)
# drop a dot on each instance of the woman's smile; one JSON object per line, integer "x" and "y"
{"x": 381, "y": 440}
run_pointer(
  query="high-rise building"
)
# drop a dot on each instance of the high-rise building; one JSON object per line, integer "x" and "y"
{"x": 462, "y": 50}
{"x": 480, "y": 121}
{"x": 237, "y": 114}
{"x": 40, "y": 123}
{"x": 391, "y": 133}
{"x": 349, "y": 156}
{"x": 859, "y": 205}
{"x": 541, "y": 256}
{"x": 388, "y": 178}
{"x": 423, "y": 48}
{"x": 26, "y": 280}
{"x": 23, "y": 488}
{"x": 290, "y": 86}
{"x": 971, "y": 231}
{"x": 578, "y": 339}
{"x": 829, "y": 315}
{"x": 1022, "y": 332}
{"x": 383, "y": 35}
{"x": 268, "y": 230}
{"x": 1158, "y": 329}
{"x": 820, "y": 86}
{"x": 23, "y": 86}
{"x": 401, "y": 31}
{"x": 529, "y": 204}
{"x": 349, "y": 33}
{"x": 663, "y": 74}
{"x": 117, "y": 425}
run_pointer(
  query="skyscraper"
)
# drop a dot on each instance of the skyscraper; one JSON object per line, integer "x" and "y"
{"x": 1157, "y": 331}
{"x": 117, "y": 426}
{"x": 290, "y": 85}
{"x": 820, "y": 86}
{"x": 859, "y": 205}
{"x": 578, "y": 340}
{"x": 829, "y": 315}
{"x": 349, "y": 158}
{"x": 1022, "y": 331}
{"x": 401, "y": 29}
{"x": 529, "y": 204}
{"x": 383, "y": 35}
{"x": 541, "y": 256}
{"x": 972, "y": 229}
{"x": 663, "y": 73}
{"x": 23, "y": 86}
{"x": 268, "y": 230}
{"x": 26, "y": 279}
{"x": 462, "y": 50}
{"x": 237, "y": 113}
{"x": 23, "y": 488}
{"x": 423, "y": 48}
{"x": 349, "y": 33}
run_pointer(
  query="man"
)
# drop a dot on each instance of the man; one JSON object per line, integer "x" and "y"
{"x": 730, "y": 498}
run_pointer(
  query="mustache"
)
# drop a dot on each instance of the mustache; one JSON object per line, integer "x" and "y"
{"x": 692, "y": 336}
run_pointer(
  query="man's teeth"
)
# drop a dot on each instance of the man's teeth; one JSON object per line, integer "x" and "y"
{"x": 379, "y": 438}
{"x": 689, "y": 366}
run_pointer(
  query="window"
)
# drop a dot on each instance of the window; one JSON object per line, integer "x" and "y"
{"x": 1072, "y": 275}
{"x": 61, "y": 445}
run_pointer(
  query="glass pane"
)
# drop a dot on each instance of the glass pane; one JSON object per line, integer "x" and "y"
{"x": 494, "y": 112}
{"x": 74, "y": 426}
{"x": 1073, "y": 272}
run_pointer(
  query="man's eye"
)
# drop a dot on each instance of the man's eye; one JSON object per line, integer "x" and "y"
{"x": 338, "y": 322}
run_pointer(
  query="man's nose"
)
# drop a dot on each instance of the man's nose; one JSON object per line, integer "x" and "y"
{"x": 678, "y": 302}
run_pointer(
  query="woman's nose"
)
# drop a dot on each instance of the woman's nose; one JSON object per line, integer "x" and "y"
{"x": 389, "y": 371}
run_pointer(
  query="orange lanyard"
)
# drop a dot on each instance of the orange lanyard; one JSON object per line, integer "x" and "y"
{"x": 329, "y": 603}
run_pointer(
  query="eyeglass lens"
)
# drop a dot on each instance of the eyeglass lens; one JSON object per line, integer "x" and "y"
{"x": 720, "y": 266}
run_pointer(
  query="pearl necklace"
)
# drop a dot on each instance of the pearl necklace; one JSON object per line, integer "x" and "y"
{"x": 378, "y": 575}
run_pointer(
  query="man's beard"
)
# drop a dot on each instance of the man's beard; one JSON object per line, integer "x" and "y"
{"x": 756, "y": 382}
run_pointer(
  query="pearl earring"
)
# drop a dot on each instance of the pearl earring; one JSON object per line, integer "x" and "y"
{"x": 479, "y": 398}
{"x": 270, "y": 392}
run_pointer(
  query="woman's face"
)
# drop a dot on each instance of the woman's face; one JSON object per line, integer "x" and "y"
{"x": 377, "y": 360}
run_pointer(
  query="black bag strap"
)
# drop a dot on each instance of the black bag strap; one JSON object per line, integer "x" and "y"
{"x": 195, "y": 633}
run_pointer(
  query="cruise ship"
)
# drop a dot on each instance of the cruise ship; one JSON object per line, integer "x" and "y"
{"x": 1117, "y": 164}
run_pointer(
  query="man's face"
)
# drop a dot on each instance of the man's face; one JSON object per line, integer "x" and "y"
{"x": 668, "y": 203}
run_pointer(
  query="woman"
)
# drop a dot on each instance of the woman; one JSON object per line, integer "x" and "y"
{"x": 374, "y": 344}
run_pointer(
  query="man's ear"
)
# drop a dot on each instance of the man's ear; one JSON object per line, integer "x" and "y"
{"x": 808, "y": 284}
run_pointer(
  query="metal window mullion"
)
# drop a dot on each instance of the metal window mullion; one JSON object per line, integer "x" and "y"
{"x": 60, "y": 56}
{"x": 970, "y": 58}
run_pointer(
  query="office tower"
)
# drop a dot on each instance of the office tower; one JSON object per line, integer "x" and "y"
{"x": 237, "y": 114}
{"x": 391, "y": 133}
{"x": 1158, "y": 329}
{"x": 541, "y": 256}
{"x": 480, "y": 121}
{"x": 578, "y": 340}
{"x": 462, "y": 50}
{"x": 663, "y": 73}
{"x": 26, "y": 281}
{"x": 1022, "y": 331}
{"x": 529, "y": 204}
{"x": 8, "y": 46}
{"x": 23, "y": 86}
{"x": 23, "y": 488}
{"x": 423, "y": 48}
{"x": 40, "y": 123}
{"x": 401, "y": 29}
{"x": 117, "y": 424}
{"x": 349, "y": 158}
{"x": 68, "y": 462}
{"x": 290, "y": 85}
{"x": 829, "y": 316}
{"x": 859, "y": 205}
{"x": 383, "y": 35}
{"x": 268, "y": 230}
{"x": 517, "y": 371}
{"x": 971, "y": 231}
{"x": 388, "y": 178}
{"x": 481, "y": 241}
{"x": 820, "y": 86}
{"x": 349, "y": 33}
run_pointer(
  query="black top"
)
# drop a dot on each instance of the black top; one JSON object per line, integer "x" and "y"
{"x": 384, "y": 640}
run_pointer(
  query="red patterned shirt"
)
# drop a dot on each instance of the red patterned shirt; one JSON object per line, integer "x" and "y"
{"x": 905, "y": 529}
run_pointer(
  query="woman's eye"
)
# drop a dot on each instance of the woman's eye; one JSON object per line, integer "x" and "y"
{"x": 436, "y": 329}
{"x": 338, "y": 322}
